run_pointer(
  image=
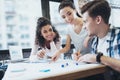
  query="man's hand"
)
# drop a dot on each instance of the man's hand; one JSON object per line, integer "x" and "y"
{"x": 76, "y": 55}
{"x": 88, "y": 58}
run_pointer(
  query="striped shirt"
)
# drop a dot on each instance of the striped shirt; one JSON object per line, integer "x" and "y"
{"x": 113, "y": 49}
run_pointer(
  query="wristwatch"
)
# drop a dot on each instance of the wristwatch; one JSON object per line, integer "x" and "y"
{"x": 99, "y": 54}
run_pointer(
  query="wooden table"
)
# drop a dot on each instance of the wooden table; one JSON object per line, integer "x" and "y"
{"x": 86, "y": 72}
{"x": 70, "y": 72}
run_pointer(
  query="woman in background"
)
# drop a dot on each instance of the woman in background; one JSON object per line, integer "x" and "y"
{"x": 76, "y": 33}
{"x": 47, "y": 40}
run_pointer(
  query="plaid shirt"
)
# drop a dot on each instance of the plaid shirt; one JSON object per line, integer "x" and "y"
{"x": 114, "y": 43}
{"x": 113, "y": 50}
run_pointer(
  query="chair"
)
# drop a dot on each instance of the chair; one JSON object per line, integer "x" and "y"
{"x": 1, "y": 74}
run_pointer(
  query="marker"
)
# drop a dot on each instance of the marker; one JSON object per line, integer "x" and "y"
{"x": 45, "y": 70}
{"x": 19, "y": 70}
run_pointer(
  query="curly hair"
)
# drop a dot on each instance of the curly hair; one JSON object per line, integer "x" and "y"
{"x": 39, "y": 40}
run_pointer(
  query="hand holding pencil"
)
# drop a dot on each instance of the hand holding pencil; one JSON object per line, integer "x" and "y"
{"x": 76, "y": 55}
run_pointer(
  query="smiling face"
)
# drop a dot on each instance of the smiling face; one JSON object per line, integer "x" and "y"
{"x": 68, "y": 14}
{"x": 47, "y": 32}
{"x": 90, "y": 24}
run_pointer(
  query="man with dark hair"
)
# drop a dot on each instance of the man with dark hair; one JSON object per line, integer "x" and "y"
{"x": 106, "y": 38}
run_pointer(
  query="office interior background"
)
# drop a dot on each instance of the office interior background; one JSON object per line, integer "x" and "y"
{"x": 18, "y": 20}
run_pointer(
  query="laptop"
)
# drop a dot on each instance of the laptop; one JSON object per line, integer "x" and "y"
{"x": 16, "y": 54}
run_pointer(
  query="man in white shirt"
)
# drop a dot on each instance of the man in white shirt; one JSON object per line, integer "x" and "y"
{"x": 106, "y": 40}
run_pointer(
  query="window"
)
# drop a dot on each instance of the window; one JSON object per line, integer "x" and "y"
{"x": 115, "y": 12}
{"x": 18, "y": 22}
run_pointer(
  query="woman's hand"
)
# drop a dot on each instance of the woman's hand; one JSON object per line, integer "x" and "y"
{"x": 41, "y": 53}
{"x": 56, "y": 56}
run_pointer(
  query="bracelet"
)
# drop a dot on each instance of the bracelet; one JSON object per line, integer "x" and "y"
{"x": 99, "y": 54}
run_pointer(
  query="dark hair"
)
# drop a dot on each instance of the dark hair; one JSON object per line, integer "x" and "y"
{"x": 97, "y": 7}
{"x": 39, "y": 40}
{"x": 67, "y": 3}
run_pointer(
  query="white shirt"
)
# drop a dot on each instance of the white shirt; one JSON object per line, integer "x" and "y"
{"x": 78, "y": 39}
{"x": 49, "y": 52}
{"x": 103, "y": 44}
